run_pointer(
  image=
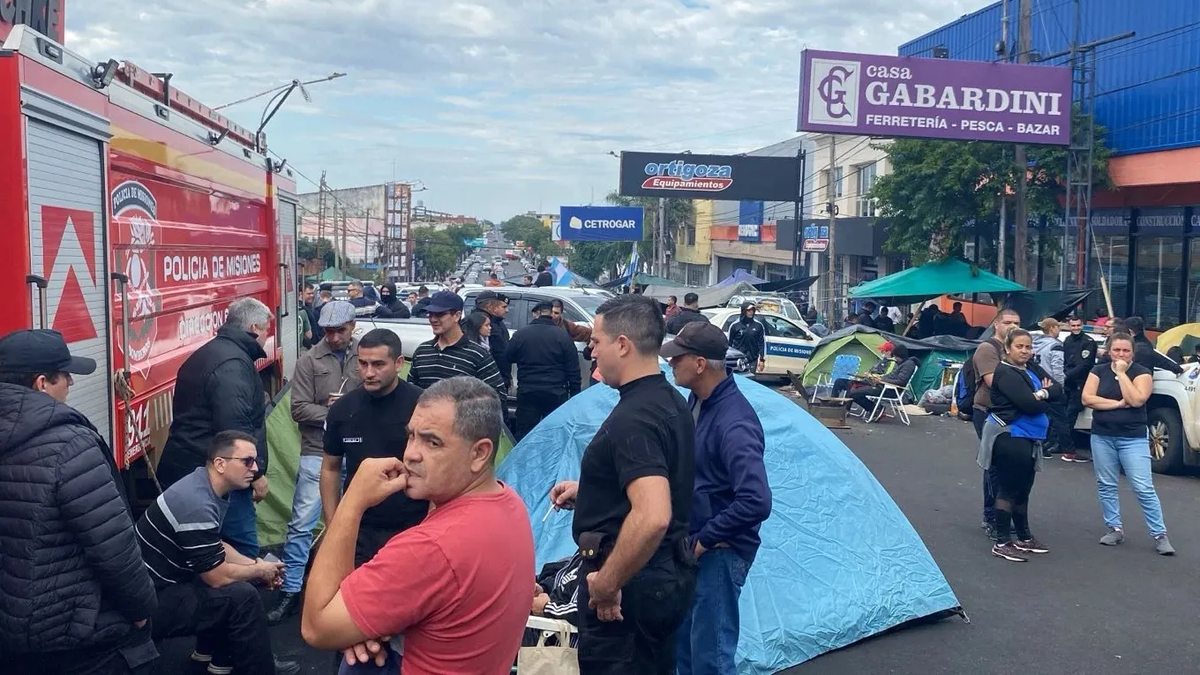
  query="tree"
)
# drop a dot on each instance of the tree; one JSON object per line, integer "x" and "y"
{"x": 434, "y": 251}
{"x": 533, "y": 232}
{"x": 937, "y": 188}
{"x": 306, "y": 249}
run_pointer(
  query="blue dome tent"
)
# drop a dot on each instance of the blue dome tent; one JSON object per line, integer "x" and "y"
{"x": 839, "y": 561}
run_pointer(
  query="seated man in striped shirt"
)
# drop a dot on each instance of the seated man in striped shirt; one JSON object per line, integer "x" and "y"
{"x": 451, "y": 353}
{"x": 203, "y": 584}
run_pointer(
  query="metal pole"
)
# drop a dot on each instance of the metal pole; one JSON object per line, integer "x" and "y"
{"x": 831, "y": 208}
{"x": 1021, "y": 227}
{"x": 796, "y": 215}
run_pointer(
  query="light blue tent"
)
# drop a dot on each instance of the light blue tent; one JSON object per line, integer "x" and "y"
{"x": 839, "y": 561}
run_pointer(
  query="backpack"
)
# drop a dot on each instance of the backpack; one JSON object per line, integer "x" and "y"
{"x": 968, "y": 381}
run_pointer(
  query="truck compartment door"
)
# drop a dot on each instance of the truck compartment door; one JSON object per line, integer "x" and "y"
{"x": 67, "y": 246}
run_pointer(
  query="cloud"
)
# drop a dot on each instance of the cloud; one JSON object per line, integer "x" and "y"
{"x": 499, "y": 106}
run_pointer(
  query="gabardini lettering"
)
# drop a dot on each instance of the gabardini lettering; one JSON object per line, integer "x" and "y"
{"x": 904, "y": 95}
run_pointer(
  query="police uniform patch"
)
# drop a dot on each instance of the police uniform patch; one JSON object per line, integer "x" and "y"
{"x": 1085, "y": 353}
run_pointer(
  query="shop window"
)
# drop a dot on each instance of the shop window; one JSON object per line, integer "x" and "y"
{"x": 1158, "y": 280}
{"x": 864, "y": 205}
{"x": 1113, "y": 254}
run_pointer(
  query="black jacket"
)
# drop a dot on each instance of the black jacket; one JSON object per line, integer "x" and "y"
{"x": 544, "y": 279}
{"x": 546, "y": 359}
{"x": 685, "y": 316}
{"x": 1013, "y": 393}
{"x": 421, "y": 309}
{"x": 218, "y": 389}
{"x": 903, "y": 372}
{"x": 394, "y": 309}
{"x": 749, "y": 338}
{"x": 498, "y": 346}
{"x": 1079, "y": 357}
{"x": 1144, "y": 354}
{"x": 71, "y": 570}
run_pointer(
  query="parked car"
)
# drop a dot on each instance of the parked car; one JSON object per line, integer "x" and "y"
{"x": 788, "y": 345}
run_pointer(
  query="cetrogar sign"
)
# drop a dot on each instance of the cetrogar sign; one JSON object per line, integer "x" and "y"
{"x": 601, "y": 223}
{"x": 872, "y": 95}
{"x": 687, "y": 176}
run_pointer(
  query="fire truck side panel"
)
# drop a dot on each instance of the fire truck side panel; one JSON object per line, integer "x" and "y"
{"x": 67, "y": 240}
{"x": 14, "y": 254}
{"x": 193, "y": 235}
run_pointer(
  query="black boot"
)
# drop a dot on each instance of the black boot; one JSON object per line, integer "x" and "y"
{"x": 289, "y": 604}
{"x": 286, "y": 667}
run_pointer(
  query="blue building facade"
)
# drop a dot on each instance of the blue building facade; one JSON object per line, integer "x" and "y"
{"x": 1145, "y": 234}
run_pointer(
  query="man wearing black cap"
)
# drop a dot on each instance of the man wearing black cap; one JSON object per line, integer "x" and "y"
{"x": 69, "y": 545}
{"x": 730, "y": 498}
{"x": 451, "y": 353}
{"x": 748, "y": 336}
{"x": 547, "y": 368}
{"x": 495, "y": 305}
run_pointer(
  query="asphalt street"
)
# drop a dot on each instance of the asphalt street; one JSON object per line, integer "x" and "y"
{"x": 1083, "y": 608}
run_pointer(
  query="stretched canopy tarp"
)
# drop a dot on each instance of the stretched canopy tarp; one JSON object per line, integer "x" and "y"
{"x": 787, "y": 285}
{"x": 839, "y": 561}
{"x": 713, "y": 296}
{"x": 642, "y": 279}
{"x": 738, "y": 276}
{"x": 944, "y": 277}
{"x": 1033, "y": 306}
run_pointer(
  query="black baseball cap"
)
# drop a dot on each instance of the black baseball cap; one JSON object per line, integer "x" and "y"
{"x": 41, "y": 351}
{"x": 543, "y": 306}
{"x": 445, "y": 301}
{"x": 490, "y": 295}
{"x": 700, "y": 338}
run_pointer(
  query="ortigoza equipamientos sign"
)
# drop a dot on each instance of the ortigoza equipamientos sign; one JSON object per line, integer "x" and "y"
{"x": 726, "y": 177}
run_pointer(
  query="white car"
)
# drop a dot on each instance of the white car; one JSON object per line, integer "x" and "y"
{"x": 788, "y": 345}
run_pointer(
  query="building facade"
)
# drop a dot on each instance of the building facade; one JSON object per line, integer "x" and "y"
{"x": 1145, "y": 93}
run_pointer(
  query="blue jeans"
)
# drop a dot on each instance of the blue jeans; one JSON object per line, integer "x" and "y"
{"x": 708, "y": 638}
{"x": 240, "y": 528}
{"x": 1110, "y": 454}
{"x": 306, "y": 510}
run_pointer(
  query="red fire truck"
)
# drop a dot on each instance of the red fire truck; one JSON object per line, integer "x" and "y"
{"x": 132, "y": 217}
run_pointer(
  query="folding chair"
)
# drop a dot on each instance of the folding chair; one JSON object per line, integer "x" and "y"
{"x": 845, "y": 366}
{"x": 890, "y": 402}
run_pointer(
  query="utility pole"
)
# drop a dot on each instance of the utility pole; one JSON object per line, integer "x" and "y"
{"x": 342, "y": 265}
{"x": 835, "y": 289}
{"x": 367, "y": 257}
{"x": 321, "y": 218}
{"x": 1021, "y": 227}
{"x": 337, "y": 250}
{"x": 660, "y": 236}
{"x": 1001, "y": 252}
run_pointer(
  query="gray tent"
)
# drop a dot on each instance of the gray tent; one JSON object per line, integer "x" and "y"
{"x": 713, "y": 296}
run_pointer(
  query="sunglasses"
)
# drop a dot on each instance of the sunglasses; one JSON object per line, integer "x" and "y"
{"x": 248, "y": 461}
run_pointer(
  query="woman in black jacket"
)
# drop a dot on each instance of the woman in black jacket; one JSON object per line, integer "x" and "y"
{"x": 1011, "y": 444}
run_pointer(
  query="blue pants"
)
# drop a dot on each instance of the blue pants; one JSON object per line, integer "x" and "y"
{"x": 979, "y": 417}
{"x": 1110, "y": 454}
{"x": 306, "y": 511}
{"x": 708, "y": 638}
{"x": 240, "y": 528}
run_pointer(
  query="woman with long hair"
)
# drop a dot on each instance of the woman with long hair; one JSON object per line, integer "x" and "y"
{"x": 1011, "y": 445}
{"x": 1117, "y": 392}
{"x": 478, "y": 328}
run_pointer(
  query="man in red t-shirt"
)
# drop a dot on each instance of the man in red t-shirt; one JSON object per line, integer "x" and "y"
{"x": 455, "y": 586}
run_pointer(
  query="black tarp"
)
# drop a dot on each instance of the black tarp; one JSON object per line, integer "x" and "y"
{"x": 1033, "y": 306}
{"x": 937, "y": 342}
{"x": 786, "y": 285}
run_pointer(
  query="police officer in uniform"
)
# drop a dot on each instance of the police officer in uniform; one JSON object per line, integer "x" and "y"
{"x": 372, "y": 421}
{"x": 1079, "y": 357}
{"x": 547, "y": 368}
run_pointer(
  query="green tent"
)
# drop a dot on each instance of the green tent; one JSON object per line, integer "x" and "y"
{"x": 283, "y": 465}
{"x": 864, "y": 345}
{"x": 944, "y": 277}
{"x": 933, "y": 364}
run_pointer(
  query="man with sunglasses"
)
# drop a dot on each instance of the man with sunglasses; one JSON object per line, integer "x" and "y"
{"x": 204, "y": 585}
{"x": 451, "y": 353}
{"x": 323, "y": 375}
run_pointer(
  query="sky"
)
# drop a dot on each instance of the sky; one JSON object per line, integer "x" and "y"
{"x": 498, "y": 107}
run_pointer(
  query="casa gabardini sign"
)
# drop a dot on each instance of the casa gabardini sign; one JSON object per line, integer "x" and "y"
{"x": 873, "y": 95}
{"x": 725, "y": 177}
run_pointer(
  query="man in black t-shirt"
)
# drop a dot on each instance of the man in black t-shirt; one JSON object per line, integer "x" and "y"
{"x": 372, "y": 421}
{"x": 632, "y": 502}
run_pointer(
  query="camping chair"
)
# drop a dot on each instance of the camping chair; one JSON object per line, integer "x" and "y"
{"x": 890, "y": 402}
{"x": 845, "y": 366}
